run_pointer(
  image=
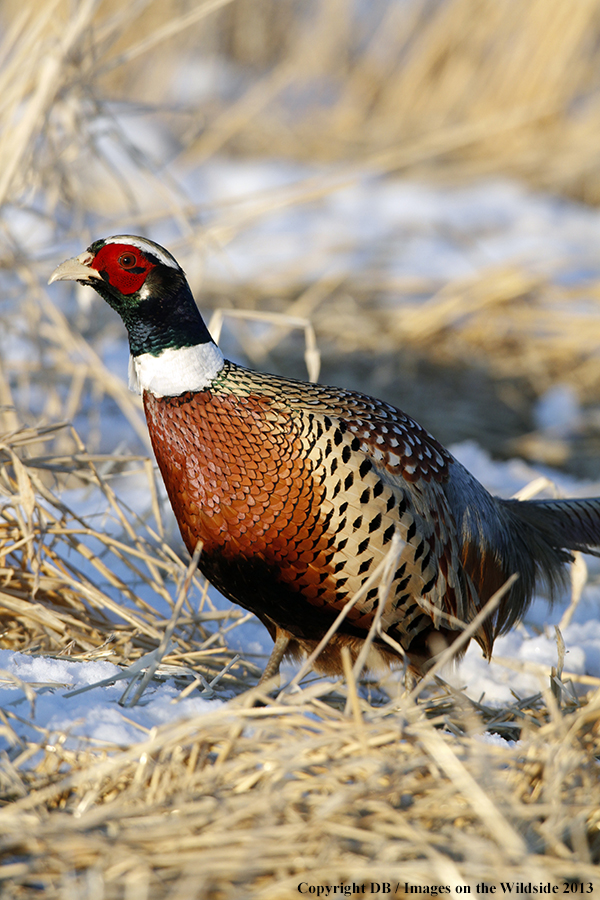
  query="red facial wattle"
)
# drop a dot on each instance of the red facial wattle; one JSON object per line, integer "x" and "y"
{"x": 124, "y": 266}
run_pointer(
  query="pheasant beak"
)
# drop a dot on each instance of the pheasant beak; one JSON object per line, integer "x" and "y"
{"x": 76, "y": 269}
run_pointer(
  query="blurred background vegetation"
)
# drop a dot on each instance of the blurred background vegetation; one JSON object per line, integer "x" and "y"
{"x": 103, "y": 104}
{"x": 448, "y": 87}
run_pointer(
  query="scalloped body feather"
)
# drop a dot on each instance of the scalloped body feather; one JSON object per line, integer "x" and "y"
{"x": 296, "y": 489}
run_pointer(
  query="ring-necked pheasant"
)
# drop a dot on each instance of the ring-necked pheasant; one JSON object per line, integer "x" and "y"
{"x": 296, "y": 489}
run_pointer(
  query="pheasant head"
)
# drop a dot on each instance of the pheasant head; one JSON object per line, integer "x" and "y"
{"x": 171, "y": 349}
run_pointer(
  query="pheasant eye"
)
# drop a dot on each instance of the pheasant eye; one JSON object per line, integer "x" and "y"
{"x": 127, "y": 260}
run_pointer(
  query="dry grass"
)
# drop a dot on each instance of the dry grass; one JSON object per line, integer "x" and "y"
{"x": 465, "y": 86}
{"x": 251, "y": 801}
{"x": 509, "y": 321}
{"x": 88, "y": 585}
{"x": 317, "y": 785}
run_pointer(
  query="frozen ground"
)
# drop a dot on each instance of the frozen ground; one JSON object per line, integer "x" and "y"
{"x": 402, "y": 229}
{"x": 97, "y": 716}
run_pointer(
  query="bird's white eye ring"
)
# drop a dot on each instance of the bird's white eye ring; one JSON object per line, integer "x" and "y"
{"x": 127, "y": 260}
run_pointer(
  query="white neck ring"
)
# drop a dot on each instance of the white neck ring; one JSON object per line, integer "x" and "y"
{"x": 175, "y": 372}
